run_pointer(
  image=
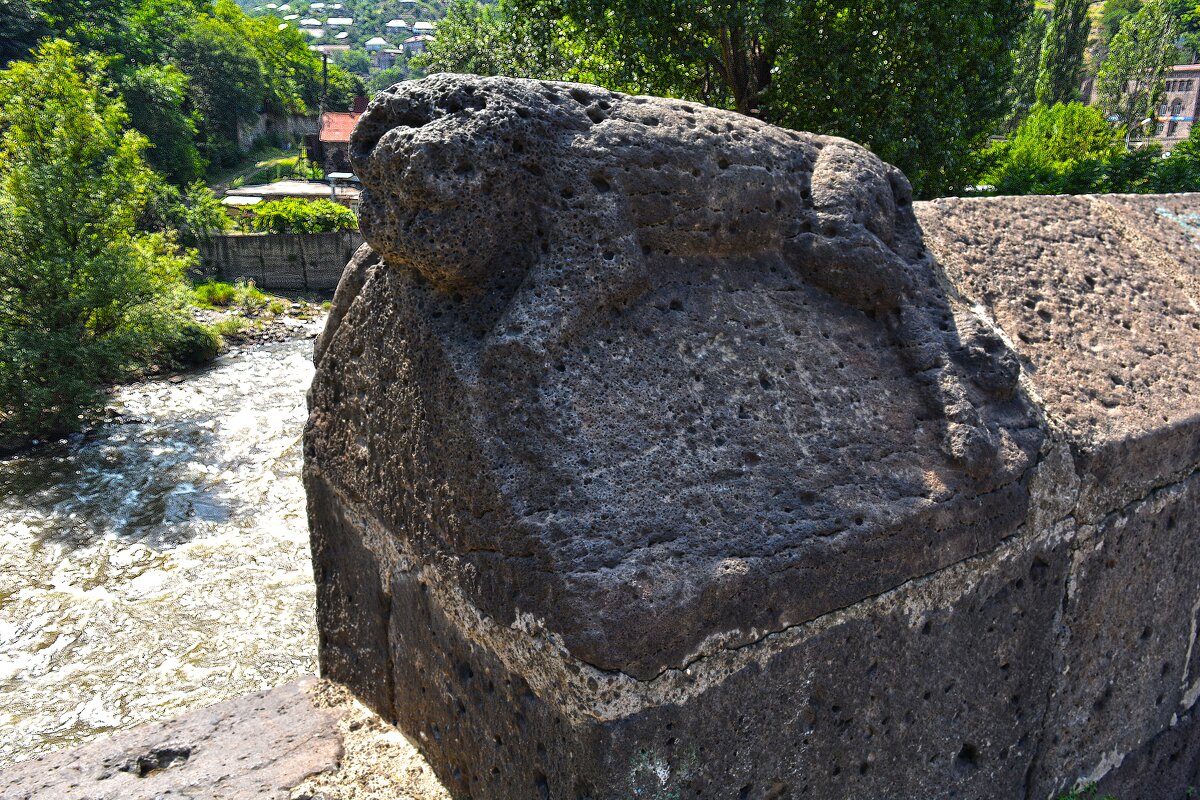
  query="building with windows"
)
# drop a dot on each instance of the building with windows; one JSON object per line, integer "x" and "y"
{"x": 1181, "y": 96}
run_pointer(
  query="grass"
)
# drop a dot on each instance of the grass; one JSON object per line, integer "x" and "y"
{"x": 230, "y": 326}
{"x": 221, "y": 295}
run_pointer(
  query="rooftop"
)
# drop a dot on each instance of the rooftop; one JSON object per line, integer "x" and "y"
{"x": 314, "y": 190}
{"x": 336, "y": 126}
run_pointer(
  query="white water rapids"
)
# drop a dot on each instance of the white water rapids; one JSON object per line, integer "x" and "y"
{"x": 161, "y": 564}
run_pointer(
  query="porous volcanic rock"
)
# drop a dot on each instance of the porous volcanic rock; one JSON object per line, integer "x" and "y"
{"x": 620, "y": 390}
{"x": 255, "y": 747}
{"x": 653, "y": 374}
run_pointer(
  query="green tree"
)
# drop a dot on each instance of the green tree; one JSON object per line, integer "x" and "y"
{"x": 343, "y": 88}
{"x": 1113, "y": 13}
{"x": 494, "y": 39}
{"x": 1027, "y": 59}
{"x": 1062, "y": 53}
{"x": 1131, "y": 75}
{"x": 227, "y": 86}
{"x": 18, "y": 29}
{"x": 385, "y": 78}
{"x": 83, "y": 295}
{"x": 156, "y": 97}
{"x": 1055, "y": 150}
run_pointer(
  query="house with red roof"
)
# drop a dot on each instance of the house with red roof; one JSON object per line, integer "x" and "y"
{"x": 332, "y": 146}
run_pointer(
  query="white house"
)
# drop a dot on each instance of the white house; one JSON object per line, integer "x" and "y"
{"x": 396, "y": 25}
{"x": 343, "y": 35}
{"x": 422, "y": 28}
{"x": 309, "y": 22}
{"x": 340, "y": 22}
{"x": 375, "y": 44}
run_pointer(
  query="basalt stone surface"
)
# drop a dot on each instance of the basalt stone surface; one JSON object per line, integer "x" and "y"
{"x": 1129, "y": 635}
{"x": 662, "y": 377}
{"x": 1097, "y": 296}
{"x": 255, "y": 747}
{"x": 651, "y": 453}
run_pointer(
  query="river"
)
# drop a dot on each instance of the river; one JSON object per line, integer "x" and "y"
{"x": 162, "y": 563}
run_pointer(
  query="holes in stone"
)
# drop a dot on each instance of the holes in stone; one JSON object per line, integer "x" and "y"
{"x": 967, "y": 759}
{"x": 723, "y": 163}
{"x": 567, "y": 193}
{"x": 543, "y": 786}
{"x": 596, "y": 115}
{"x": 522, "y": 112}
{"x": 744, "y": 792}
{"x": 609, "y": 255}
{"x": 601, "y": 184}
{"x": 156, "y": 760}
{"x": 676, "y": 305}
{"x": 1147, "y": 632}
{"x": 464, "y": 170}
{"x": 764, "y": 381}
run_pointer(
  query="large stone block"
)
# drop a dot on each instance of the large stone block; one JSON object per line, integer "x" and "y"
{"x": 653, "y": 454}
{"x": 1097, "y": 296}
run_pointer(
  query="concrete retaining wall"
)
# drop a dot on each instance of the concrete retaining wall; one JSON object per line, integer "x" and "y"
{"x": 312, "y": 261}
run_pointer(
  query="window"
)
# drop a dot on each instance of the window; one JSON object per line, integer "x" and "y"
{"x": 1162, "y": 110}
{"x": 1171, "y": 128}
{"x": 1176, "y": 107}
{"x": 1170, "y": 86}
{"x": 1188, "y": 88}
{"x": 1158, "y": 129}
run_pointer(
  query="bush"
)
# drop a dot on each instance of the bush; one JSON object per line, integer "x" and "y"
{"x": 1071, "y": 149}
{"x": 292, "y": 215}
{"x": 193, "y": 345}
{"x": 230, "y": 326}
{"x": 214, "y": 294}
{"x": 218, "y": 294}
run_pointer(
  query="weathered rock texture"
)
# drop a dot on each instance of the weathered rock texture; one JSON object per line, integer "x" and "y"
{"x": 251, "y": 748}
{"x": 653, "y": 454}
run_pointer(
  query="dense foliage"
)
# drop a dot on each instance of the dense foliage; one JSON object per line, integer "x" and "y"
{"x": 1072, "y": 149}
{"x": 293, "y": 215}
{"x": 84, "y": 296}
{"x": 1061, "y": 58}
{"x": 191, "y": 72}
{"x": 1138, "y": 55}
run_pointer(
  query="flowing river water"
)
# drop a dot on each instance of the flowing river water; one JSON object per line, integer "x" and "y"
{"x": 162, "y": 563}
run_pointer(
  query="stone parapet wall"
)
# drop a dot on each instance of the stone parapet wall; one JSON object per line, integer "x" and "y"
{"x": 657, "y": 452}
{"x": 280, "y": 261}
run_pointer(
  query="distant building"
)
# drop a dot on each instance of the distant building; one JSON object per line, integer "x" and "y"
{"x": 416, "y": 44}
{"x": 331, "y": 148}
{"x": 396, "y": 25}
{"x": 376, "y": 43}
{"x": 309, "y": 22}
{"x": 1181, "y": 99}
{"x": 385, "y": 59}
{"x": 339, "y": 22}
{"x": 422, "y": 28}
{"x": 330, "y": 49}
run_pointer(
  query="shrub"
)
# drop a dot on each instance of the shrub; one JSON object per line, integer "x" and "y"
{"x": 214, "y": 294}
{"x": 277, "y": 307}
{"x": 194, "y": 344}
{"x": 230, "y": 326}
{"x": 292, "y": 215}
